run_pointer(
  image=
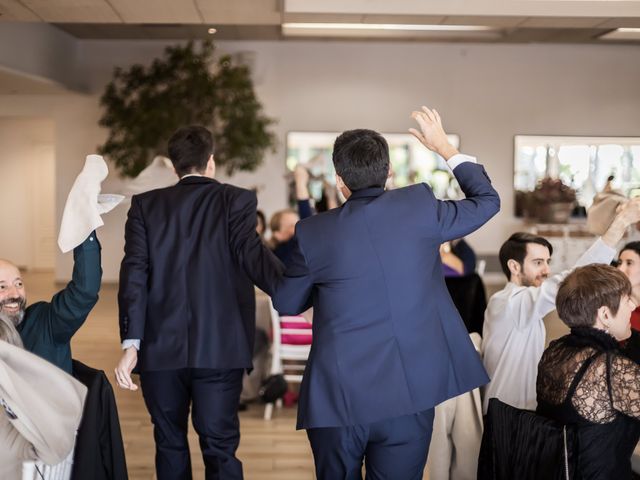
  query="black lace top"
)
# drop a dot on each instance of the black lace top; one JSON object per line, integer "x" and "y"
{"x": 584, "y": 379}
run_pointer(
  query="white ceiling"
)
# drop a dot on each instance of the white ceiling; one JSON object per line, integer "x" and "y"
{"x": 558, "y": 21}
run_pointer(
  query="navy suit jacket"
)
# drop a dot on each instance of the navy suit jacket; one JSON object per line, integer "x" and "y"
{"x": 186, "y": 281}
{"x": 387, "y": 338}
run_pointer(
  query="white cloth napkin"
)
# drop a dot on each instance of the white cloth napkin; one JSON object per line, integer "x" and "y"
{"x": 158, "y": 174}
{"x": 85, "y": 204}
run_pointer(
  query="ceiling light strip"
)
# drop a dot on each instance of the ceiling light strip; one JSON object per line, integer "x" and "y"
{"x": 386, "y": 26}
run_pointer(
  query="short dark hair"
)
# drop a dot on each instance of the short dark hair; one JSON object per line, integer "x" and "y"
{"x": 190, "y": 148}
{"x": 515, "y": 248}
{"x": 361, "y": 158}
{"x": 633, "y": 246}
{"x": 588, "y": 288}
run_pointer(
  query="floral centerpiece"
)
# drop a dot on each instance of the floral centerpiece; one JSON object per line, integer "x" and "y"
{"x": 551, "y": 202}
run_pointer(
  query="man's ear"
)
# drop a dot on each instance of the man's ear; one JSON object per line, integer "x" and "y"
{"x": 211, "y": 167}
{"x": 514, "y": 267}
{"x": 342, "y": 188}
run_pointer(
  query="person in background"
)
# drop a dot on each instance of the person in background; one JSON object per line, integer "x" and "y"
{"x": 585, "y": 381}
{"x": 46, "y": 328}
{"x": 514, "y": 334}
{"x": 452, "y": 266}
{"x": 461, "y": 249}
{"x": 629, "y": 264}
{"x": 283, "y": 222}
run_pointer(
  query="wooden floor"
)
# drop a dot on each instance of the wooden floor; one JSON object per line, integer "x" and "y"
{"x": 271, "y": 450}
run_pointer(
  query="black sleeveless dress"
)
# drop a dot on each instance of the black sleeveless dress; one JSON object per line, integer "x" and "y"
{"x": 585, "y": 380}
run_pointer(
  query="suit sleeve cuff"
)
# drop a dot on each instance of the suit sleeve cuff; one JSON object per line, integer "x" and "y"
{"x": 131, "y": 343}
{"x": 459, "y": 158}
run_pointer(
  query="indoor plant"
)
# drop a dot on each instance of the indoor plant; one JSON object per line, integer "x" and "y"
{"x": 143, "y": 106}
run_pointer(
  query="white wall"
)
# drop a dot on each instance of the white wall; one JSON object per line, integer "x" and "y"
{"x": 485, "y": 93}
{"x": 27, "y": 195}
{"x": 40, "y": 50}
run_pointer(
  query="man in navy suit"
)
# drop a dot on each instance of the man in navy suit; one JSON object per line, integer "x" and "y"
{"x": 187, "y": 306}
{"x": 388, "y": 343}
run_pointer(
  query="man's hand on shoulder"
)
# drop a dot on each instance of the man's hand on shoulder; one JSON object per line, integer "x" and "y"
{"x": 431, "y": 133}
{"x": 125, "y": 367}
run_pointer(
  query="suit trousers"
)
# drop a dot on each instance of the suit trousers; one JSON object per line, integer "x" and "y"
{"x": 214, "y": 396}
{"x": 392, "y": 449}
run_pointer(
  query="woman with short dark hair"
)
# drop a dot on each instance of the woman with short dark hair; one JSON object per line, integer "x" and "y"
{"x": 629, "y": 264}
{"x": 585, "y": 380}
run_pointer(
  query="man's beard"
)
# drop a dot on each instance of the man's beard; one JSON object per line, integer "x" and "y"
{"x": 533, "y": 281}
{"x": 14, "y": 318}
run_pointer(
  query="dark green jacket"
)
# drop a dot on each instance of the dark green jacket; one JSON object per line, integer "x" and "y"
{"x": 47, "y": 327}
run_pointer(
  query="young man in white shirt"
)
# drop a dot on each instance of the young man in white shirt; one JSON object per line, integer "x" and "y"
{"x": 514, "y": 332}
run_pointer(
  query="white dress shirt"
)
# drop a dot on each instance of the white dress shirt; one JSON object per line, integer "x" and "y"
{"x": 513, "y": 336}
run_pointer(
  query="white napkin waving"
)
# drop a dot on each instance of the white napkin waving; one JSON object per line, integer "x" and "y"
{"x": 84, "y": 205}
{"x": 158, "y": 174}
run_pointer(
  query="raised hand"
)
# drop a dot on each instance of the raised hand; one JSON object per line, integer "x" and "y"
{"x": 301, "y": 177}
{"x": 431, "y": 133}
{"x": 630, "y": 211}
{"x": 626, "y": 215}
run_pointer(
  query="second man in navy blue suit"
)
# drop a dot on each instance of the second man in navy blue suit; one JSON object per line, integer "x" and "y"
{"x": 388, "y": 342}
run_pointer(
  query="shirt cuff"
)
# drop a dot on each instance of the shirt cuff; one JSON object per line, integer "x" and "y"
{"x": 459, "y": 158}
{"x": 131, "y": 343}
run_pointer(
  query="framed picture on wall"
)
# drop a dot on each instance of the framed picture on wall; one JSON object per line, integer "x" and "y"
{"x": 411, "y": 163}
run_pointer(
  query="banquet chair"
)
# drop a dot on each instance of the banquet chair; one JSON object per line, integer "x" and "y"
{"x": 291, "y": 343}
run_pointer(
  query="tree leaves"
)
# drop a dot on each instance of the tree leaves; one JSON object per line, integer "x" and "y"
{"x": 143, "y": 106}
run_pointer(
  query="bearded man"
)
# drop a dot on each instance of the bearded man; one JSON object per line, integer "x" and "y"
{"x": 46, "y": 328}
{"x": 513, "y": 336}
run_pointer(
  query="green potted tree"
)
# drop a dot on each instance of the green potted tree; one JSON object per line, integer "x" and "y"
{"x": 143, "y": 106}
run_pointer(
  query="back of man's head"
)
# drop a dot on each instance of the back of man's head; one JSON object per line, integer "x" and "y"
{"x": 361, "y": 159}
{"x": 515, "y": 248}
{"x": 190, "y": 148}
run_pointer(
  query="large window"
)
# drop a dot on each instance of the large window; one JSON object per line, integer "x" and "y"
{"x": 411, "y": 162}
{"x": 583, "y": 163}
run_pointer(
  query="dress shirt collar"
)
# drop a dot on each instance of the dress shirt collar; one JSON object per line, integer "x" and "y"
{"x": 191, "y": 179}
